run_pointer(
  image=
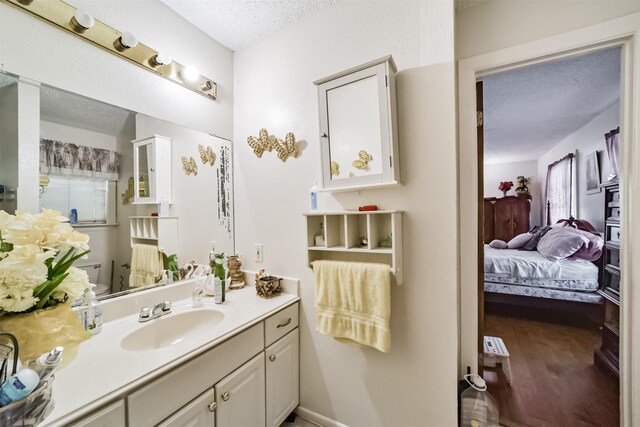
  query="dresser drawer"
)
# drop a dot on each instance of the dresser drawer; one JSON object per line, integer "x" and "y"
{"x": 280, "y": 324}
{"x": 614, "y": 233}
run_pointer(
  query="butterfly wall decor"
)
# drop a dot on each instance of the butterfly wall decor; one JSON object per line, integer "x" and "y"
{"x": 265, "y": 142}
{"x": 363, "y": 161}
{"x": 207, "y": 155}
{"x": 189, "y": 165}
{"x": 335, "y": 168}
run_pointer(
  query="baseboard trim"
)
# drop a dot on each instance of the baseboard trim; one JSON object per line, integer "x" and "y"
{"x": 317, "y": 419}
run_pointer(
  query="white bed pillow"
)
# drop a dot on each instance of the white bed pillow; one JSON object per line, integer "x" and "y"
{"x": 519, "y": 241}
{"x": 498, "y": 244}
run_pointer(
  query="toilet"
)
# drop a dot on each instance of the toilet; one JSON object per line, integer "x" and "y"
{"x": 93, "y": 270}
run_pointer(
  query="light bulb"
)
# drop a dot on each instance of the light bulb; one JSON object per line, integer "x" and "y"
{"x": 189, "y": 74}
{"x": 128, "y": 40}
{"x": 82, "y": 21}
{"x": 162, "y": 58}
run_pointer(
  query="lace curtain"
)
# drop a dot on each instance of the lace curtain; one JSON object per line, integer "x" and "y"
{"x": 63, "y": 158}
{"x": 559, "y": 188}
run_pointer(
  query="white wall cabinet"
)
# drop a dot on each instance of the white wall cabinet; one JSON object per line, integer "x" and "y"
{"x": 283, "y": 378}
{"x": 201, "y": 412}
{"x": 241, "y": 396}
{"x": 243, "y": 381}
{"x": 152, "y": 170}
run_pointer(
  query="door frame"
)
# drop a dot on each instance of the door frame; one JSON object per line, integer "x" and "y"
{"x": 621, "y": 32}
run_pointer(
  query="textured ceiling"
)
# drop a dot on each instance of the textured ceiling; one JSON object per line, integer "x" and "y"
{"x": 239, "y": 23}
{"x": 530, "y": 110}
{"x": 69, "y": 109}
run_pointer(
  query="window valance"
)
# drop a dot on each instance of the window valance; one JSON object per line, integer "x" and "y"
{"x": 63, "y": 158}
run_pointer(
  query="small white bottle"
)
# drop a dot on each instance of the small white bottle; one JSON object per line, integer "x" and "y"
{"x": 314, "y": 197}
{"x": 92, "y": 313}
{"x": 47, "y": 363}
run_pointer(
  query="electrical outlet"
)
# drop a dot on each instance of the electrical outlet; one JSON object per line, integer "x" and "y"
{"x": 259, "y": 252}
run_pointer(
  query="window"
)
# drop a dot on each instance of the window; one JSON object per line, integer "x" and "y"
{"x": 94, "y": 199}
{"x": 560, "y": 189}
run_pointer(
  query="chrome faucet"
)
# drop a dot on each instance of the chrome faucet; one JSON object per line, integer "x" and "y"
{"x": 158, "y": 310}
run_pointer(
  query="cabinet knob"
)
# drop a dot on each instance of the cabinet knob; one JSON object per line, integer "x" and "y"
{"x": 212, "y": 406}
{"x": 272, "y": 357}
{"x": 323, "y": 135}
{"x": 226, "y": 396}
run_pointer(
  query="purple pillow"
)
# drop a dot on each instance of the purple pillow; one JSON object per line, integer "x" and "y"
{"x": 519, "y": 241}
{"x": 498, "y": 244}
{"x": 538, "y": 233}
{"x": 591, "y": 251}
{"x": 561, "y": 243}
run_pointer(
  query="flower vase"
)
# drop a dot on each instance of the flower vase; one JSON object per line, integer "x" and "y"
{"x": 504, "y": 193}
{"x": 42, "y": 330}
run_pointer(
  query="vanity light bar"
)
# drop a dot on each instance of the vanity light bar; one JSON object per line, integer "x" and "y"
{"x": 122, "y": 44}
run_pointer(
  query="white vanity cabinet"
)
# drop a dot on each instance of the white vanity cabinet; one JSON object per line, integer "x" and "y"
{"x": 200, "y": 412}
{"x": 241, "y": 396}
{"x": 251, "y": 379}
{"x": 152, "y": 170}
{"x": 110, "y": 416}
{"x": 283, "y": 378}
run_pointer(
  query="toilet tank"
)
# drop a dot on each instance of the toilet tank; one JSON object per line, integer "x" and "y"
{"x": 93, "y": 270}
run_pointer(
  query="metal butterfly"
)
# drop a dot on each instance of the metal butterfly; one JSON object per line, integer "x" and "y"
{"x": 207, "y": 155}
{"x": 189, "y": 165}
{"x": 363, "y": 162}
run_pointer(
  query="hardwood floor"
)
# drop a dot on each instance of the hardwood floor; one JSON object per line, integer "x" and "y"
{"x": 554, "y": 381}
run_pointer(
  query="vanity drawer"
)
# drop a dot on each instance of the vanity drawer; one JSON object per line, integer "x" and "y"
{"x": 164, "y": 396}
{"x": 280, "y": 324}
{"x": 110, "y": 416}
{"x": 614, "y": 233}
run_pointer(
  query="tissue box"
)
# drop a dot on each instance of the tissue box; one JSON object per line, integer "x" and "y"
{"x": 268, "y": 287}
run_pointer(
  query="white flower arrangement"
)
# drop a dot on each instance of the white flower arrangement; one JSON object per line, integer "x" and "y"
{"x": 36, "y": 257}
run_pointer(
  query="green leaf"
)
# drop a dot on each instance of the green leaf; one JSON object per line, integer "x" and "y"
{"x": 62, "y": 267}
{"x": 6, "y": 247}
{"x": 44, "y": 295}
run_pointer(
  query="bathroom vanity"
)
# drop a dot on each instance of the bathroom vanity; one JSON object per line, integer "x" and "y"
{"x": 232, "y": 364}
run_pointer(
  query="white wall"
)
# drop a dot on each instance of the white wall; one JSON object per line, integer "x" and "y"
{"x": 415, "y": 384}
{"x": 34, "y": 49}
{"x": 496, "y": 24}
{"x": 75, "y": 135}
{"x": 585, "y": 141}
{"x": 497, "y": 172}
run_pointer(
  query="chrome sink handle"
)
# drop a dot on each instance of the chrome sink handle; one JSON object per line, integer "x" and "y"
{"x": 166, "y": 305}
{"x": 161, "y": 309}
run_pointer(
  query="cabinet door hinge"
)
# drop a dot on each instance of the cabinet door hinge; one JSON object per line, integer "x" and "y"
{"x": 386, "y": 81}
{"x": 390, "y": 161}
{"x": 479, "y": 118}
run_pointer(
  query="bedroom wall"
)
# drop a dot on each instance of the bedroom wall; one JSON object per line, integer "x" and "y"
{"x": 585, "y": 141}
{"x": 497, "y": 172}
{"x": 414, "y": 384}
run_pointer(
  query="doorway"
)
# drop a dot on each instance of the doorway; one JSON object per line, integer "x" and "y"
{"x": 621, "y": 33}
{"x": 550, "y": 201}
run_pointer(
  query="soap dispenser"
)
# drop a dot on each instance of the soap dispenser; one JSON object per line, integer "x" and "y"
{"x": 92, "y": 313}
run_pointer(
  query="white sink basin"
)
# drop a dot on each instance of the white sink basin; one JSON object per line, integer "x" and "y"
{"x": 171, "y": 329}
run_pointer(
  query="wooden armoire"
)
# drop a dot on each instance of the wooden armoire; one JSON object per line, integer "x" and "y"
{"x": 506, "y": 217}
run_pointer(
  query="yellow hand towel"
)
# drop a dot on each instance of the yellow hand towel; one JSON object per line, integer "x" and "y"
{"x": 146, "y": 265}
{"x": 353, "y": 302}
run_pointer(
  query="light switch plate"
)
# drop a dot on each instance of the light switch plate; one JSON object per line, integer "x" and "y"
{"x": 259, "y": 252}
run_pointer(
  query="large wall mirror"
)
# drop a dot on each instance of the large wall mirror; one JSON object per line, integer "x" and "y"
{"x": 63, "y": 151}
{"x": 358, "y": 127}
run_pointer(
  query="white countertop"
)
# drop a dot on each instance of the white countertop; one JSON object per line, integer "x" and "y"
{"x": 103, "y": 371}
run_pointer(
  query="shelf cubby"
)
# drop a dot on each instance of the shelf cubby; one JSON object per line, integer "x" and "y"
{"x": 161, "y": 231}
{"x": 343, "y": 231}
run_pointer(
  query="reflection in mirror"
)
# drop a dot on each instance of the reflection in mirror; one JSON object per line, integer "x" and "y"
{"x": 85, "y": 163}
{"x": 354, "y": 123}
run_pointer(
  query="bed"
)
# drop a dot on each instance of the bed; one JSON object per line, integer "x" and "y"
{"x": 527, "y": 278}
